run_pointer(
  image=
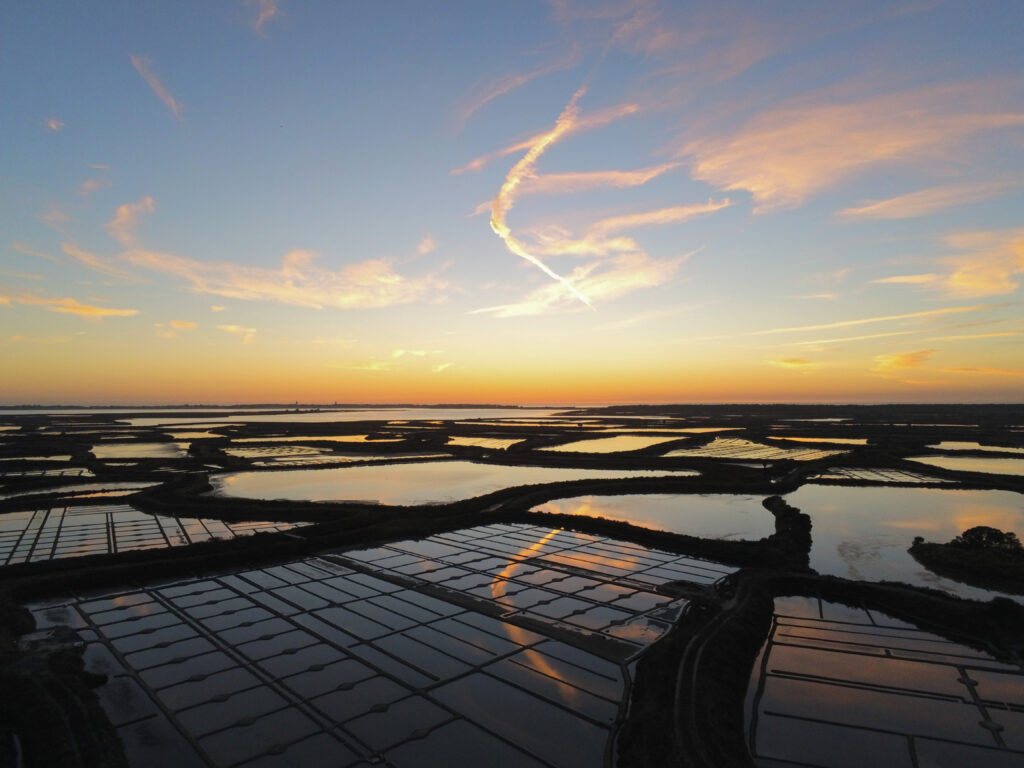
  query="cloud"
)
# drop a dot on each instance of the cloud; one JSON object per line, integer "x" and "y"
{"x": 506, "y": 196}
{"x": 989, "y": 264}
{"x": 373, "y": 365}
{"x": 867, "y": 320}
{"x": 846, "y": 339}
{"x": 67, "y": 305}
{"x": 22, "y": 248}
{"x": 440, "y": 367}
{"x": 600, "y": 280}
{"x": 142, "y": 66}
{"x": 53, "y": 124}
{"x": 887, "y": 363}
{"x": 963, "y": 337}
{"x": 565, "y": 183}
{"x": 54, "y": 218}
{"x": 266, "y": 10}
{"x": 89, "y": 186}
{"x": 795, "y": 364}
{"x": 217, "y": 308}
{"x": 926, "y": 201}
{"x": 985, "y": 371}
{"x": 555, "y": 241}
{"x": 427, "y": 245}
{"x": 371, "y": 283}
{"x": 415, "y": 352}
{"x": 94, "y": 261}
{"x": 508, "y": 83}
{"x": 247, "y": 334}
{"x": 584, "y": 122}
{"x": 19, "y": 339}
{"x": 924, "y": 279}
{"x": 170, "y": 330}
{"x": 122, "y": 226}
{"x": 788, "y": 153}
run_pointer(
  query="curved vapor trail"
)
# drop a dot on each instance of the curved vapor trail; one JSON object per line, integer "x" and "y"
{"x": 506, "y": 196}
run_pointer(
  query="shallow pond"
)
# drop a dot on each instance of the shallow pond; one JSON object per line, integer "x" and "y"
{"x": 140, "y": 451}
{"x": 955, "y": 445}
{"x": 431, "y": 482}
{"x": 609, "y": 444}
{"x": 738, "y": 448}
{"x": 973, "y": 464}
{"x": 494, "y": 443}
{"x": 712, "y": 516}
{"x": 864, "y": 533}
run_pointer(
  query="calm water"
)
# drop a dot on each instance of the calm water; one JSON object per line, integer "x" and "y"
{"x": 955, "y": 445}
{"x": 712, "y": 516}
{"x": 140, "y": 451}
{"x": 864, "y": 533}
{"x": 420, "y": 483}
{"x": 974, "y": 464}
{"x": 609, "y": 444}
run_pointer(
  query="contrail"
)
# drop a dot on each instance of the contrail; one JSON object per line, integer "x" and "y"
{"x": 506, "y": 196}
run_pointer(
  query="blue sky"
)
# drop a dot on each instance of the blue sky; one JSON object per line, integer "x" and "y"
{"x": 535, "y": 201}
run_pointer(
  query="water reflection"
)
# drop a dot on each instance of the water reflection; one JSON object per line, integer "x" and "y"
{"x": 974, "y": 464}
{"x": 609, "y": 444}
{"x": 428, "y": 482}
{"x": 716, "y": 516}
{"x": 863, "y": 532}
{"x": 838, "y": 686}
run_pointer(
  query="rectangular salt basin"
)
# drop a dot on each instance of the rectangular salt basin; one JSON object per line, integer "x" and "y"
{"x": 713, "y": 516}
{"x": 433, "y": 482}
{"x": 609, "y": 444}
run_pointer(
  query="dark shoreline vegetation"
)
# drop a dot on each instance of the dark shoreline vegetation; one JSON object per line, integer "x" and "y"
{"x": 47, "y": 698}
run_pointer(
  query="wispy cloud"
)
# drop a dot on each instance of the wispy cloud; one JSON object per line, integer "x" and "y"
{"x": 984, "y": 371}
{"x": 867, "y": 320}
{"x": 142, "y": 66}
{"x": 799, "y": 364}
{"x": 22, "y": 248}
{"x": 989, "y": 264}
{"x": 371, "y": 283}
{"x": 217, "y": 308}
{"x": 396, "y": 353}
{"x": 600, "y": 280}
{"x": 265, "y": 11}
{"x": 927, "y": 201}
{"x": 598, "y": 240}
{"x": 440, "y": 367}
{"x": 506, "y": 196}
{"x": 20, "y": 339}
{"x": 66, "y": 305}
{"x": 246, "y": 334}
{"x": 966, "y": 336}
{"x": 507, "y": 83}
{"x": 885, "y": 364}
{"x": 565, "y": 183}
{"x": 788, "y": 153}
{"x": 170, "y": 329}
{"x": 54, "y": 218}
{"x": 427, "y": 245}
{"x": 922, "y": 279}
{"x": 126, "y": 217}
{"x": 584, "y": 122}
{"x": 53, "y": 124}
{"x": 89, "y": 186}
{"x": 846, "y": 339}
{"x": 103, "y": 264}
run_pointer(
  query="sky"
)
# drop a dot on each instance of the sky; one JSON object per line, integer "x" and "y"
{"x": 557, "y": 202}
